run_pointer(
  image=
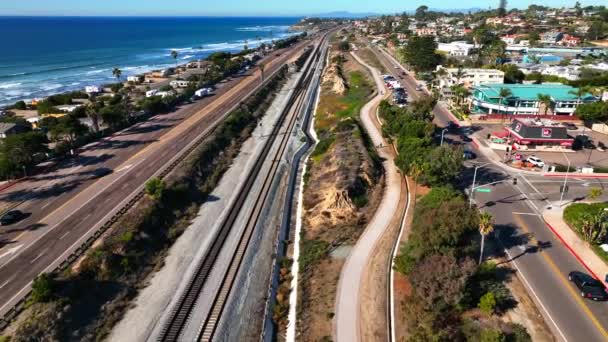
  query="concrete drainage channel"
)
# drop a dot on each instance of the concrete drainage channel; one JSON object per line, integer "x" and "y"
{"x": 291, "y": 198}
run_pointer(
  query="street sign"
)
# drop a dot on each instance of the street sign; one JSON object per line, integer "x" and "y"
{"x": 483, "y": 190}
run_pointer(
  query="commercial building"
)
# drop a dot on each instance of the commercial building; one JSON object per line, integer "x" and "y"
{"x": 523, "y": 99}
{"x": 469, "y": 77}
{"x": 534, "y": 133}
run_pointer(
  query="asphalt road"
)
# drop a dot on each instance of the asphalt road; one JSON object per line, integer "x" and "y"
{"x": 519, "y": 226}
{"x": 67, "y": 203}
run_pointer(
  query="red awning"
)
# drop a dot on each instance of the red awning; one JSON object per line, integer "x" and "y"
{"x": 524, "y": 142}
{"x": 566, "y": 143}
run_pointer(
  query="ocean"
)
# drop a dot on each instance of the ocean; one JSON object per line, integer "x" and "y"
{"x": 47, "y": 55}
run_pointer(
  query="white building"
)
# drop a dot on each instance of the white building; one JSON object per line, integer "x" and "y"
{"x": 470, "y": 77}
{"x": 134, "y": 78}
{"x": 179, "y": 83}
{"x": 459, "y": 48}
{"x": 92, "y": 90}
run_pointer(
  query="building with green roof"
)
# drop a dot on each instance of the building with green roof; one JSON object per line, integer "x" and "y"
{"x": 523, "y": 99}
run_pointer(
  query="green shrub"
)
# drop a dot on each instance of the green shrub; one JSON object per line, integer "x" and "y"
{"x": 43, "y": 288}
{"x": 487, "y": 303}
{"x": 492, "y": 335}
{"x": 518, "y": 334}
{"x": 575, "y": 213}
{"x": 154, "y": 188}
{"x": 323, "y": 146}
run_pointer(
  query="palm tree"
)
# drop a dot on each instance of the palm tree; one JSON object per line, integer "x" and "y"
{"x": 116, "y": 72}
{"x": 246, "y": 46}
{"x": 459, "y": 74}
{"x": 579, "y": 93}
{"x": 262, "y": 67}
{"x": 92, "y": 111}
{"x": 460, "y": 92}
{"x": 502, "y": 94}
{"x": 545, "y": 100}
{"x": 486, "y": 226}
{"x": 174, "y": 56}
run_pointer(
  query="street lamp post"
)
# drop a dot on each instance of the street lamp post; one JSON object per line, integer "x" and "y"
{"x": 473, "y": 185}
{"x": 561, "y": 197}
{"x": 442, "y": 133}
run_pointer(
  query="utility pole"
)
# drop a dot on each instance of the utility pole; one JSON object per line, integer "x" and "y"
{"x": 561, "y": 197}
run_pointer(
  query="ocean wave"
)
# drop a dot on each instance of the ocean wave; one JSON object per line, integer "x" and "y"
{"x": 261, "y": 28}
{"x": 9, "y": 85}
{"x": 187, "y": 56}
{"x": 50, "y": 70}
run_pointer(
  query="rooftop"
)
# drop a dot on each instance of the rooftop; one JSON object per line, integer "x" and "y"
{"x": 531, "y": 91}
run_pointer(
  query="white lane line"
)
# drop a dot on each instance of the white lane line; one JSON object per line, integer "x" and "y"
{"x": 70, "y": 214}
{"x": 46, "y": 205}
{"x": 39, "y": 255}
{"x": 533, "y": 214}
{"x": 64, "y": 235}
{"x": 8, "y": 281}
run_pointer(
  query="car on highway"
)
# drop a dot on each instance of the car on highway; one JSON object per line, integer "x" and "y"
{"x": 11, "y": 217}
{"x": 590, "y": 287}
{"x": 535, "y": 161}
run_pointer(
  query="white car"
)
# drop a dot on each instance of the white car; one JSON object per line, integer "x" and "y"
{"x": 535, "y": 161}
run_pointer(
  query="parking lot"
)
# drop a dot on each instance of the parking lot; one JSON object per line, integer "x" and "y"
{"x": 583, "y": 157}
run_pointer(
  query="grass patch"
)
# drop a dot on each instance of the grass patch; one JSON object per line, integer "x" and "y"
{"x": 370, "y": 58}
{"x": 312, "y": 251}
{"x": 574, "y": 215}
{"x": 322, "y": 147}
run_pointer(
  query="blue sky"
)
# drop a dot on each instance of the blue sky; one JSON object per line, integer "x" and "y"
{"x": 244, "y": 7}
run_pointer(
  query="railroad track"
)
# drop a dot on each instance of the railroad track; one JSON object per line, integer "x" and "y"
{"x": 21, "y": 304}
{"x": 187, "y": 301}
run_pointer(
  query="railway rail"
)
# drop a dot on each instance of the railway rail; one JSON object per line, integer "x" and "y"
{"x": 188, "y": 299}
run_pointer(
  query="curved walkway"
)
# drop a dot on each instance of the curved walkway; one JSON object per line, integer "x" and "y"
{"x": 346, "y": 323}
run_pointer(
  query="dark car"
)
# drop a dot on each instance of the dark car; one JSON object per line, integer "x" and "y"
{"x": 570, "y": 126}
{"x": 590, "y": 287}
{"x": 468, "y": 155}
{"x": 452, "y": 125}
{"x": 11, "y": 217}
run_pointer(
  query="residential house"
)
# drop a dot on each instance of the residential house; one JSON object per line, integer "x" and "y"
{"x": 469, "y": 77}
{"x": 569, "y": 40}
{"x": 551, "y": 37}
{"x": 426, "y": 31}
{"x": 457, "y": 49}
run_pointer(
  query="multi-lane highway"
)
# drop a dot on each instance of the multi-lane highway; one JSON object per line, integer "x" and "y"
{"x": 72, "y": 200}
{"x": 519, "y": 225}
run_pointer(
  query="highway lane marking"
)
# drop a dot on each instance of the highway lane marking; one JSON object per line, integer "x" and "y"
{"x": 565, "y": 281}
{"x": 126, "y": 167}
{"x": 39, "y": 255}
{"x": 20, "y": 235}
{"x": 8, "y": 281}
{"x": 46, "y": 205}
{"x": 10, "y": 251}
{"x": 64, "y": 235}
{"x": 75, "y": 210}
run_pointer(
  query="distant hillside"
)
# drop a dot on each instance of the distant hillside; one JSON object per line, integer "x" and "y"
{"x": 343, "y": 14}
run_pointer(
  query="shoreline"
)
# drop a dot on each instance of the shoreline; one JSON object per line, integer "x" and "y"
{"x": 13, "y": 89}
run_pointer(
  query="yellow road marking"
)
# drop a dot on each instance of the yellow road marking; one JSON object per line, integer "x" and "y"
{"x": 565, "y": 281}
{"x": 20, "y": 236}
